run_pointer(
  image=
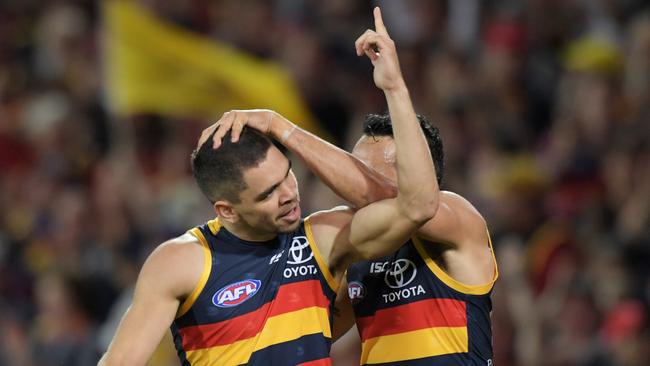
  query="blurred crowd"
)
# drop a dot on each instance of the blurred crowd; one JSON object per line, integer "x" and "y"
{"x": 544, "y": 109}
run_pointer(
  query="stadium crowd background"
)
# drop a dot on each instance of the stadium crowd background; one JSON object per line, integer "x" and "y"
{"x": 544, "y": 108}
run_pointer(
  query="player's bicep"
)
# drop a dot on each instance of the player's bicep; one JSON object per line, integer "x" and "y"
{"x": 142, "y": 326}
{"x": 141, "y": 330}
{"x": 156, "y": 299}
{"x": 346, "y": 236}
{"x": 379, "y": 229}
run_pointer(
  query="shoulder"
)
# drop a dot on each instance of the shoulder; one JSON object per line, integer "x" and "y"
{"x": 458, "y": 201}
{"x": 176, "y": 264}
{"x": 460, "y": 207}
{"x": 186, "y": 247}
{"x": 327, "y": 228}
{"x": 457, "y": 222}
{"x": 326, "y": 225}
{"x": 334, "y": 217}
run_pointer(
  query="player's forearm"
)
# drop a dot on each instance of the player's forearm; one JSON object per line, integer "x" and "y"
{"x": 417, "y": 186}
{"x": 346, "y": 175}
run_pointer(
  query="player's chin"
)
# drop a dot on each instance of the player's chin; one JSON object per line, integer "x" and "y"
{"x": 284, "y": 227}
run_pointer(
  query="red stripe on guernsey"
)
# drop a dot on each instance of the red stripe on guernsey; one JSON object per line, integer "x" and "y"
{"x": 291, "y": 297}
{"x": 322, "y": 362}
{"x": 422, "y": 314}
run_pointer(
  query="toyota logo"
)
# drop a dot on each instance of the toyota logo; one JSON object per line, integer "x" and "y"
{"x": 297, "y": 253}
{"x": 401, "y": 273}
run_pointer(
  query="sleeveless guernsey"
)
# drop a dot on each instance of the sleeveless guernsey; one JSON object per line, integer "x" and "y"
{"x": 410, "y": 312}
{"x": 257, "y": 303}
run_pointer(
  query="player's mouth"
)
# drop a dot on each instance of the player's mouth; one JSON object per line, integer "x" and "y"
{"x": 292, "y": 215}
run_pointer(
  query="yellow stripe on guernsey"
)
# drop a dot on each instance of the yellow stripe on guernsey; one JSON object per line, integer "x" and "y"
{"x": 409, "y": 345}
{"x": 214, "y": 226}
{"x": 334, "y": 285}
{"x": 278, "y": 329}
{"x": 448, "y": 280}
{"x": 207, "y": 267}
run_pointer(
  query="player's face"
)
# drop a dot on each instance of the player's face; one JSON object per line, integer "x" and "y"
{"x": 378, "y": 153}
{"x": 270, "y": 203}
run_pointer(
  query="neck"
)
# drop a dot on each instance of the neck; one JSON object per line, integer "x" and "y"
{"x": 246, "y": 232}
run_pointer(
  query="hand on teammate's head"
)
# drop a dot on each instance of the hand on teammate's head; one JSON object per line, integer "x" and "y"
{"x": 235, "y": 121}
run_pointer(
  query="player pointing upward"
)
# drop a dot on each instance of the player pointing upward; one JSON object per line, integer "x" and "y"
{"x": 255, "y": 285}
{"x": 430, "y": 300}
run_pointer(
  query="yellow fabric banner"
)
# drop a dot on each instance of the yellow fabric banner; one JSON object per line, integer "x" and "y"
{"x": 156, "y": 67}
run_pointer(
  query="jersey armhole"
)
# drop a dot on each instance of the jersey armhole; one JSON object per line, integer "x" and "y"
{"x": 207, "y": 267}
{"x": 333, "y": 284}
{"x": 451, "y": 282}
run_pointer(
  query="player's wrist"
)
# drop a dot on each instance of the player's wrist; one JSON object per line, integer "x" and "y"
{"x": 396, "y": 88}
{"x": 280, "y": 127}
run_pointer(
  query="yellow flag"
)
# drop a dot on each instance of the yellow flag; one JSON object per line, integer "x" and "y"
{"x": 156, "y": 67}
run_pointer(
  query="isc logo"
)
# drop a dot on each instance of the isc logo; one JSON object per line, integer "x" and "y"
{"x": 236, "y": 293}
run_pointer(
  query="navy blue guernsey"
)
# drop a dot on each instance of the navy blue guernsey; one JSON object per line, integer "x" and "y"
{"x": 257, "y": 303}
{"x": 410, "y": 312}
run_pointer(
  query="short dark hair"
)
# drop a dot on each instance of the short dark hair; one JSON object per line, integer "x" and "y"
{"x": 381, "y": 125}
{"x": 220, "y": 172}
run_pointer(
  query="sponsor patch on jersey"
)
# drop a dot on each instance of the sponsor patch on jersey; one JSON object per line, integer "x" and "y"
{"x": 401, "y": 273}
{"x": 356, "y": 291}
{"x": 236, "y": 293}
{"x": 300, "y": 252}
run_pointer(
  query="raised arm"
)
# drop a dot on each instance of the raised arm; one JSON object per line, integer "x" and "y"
{"x": 346, "y": 175}
{"x": 168, "y": 275}
{"x": 383, "y": 226}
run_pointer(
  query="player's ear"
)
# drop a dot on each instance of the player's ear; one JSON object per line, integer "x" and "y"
{"x": 225, "y": 211}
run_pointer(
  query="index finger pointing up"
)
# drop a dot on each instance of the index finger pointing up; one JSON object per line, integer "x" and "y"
{"x": 380, "y": 28}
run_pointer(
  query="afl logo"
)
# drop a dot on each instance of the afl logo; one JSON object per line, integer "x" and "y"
{"x": 356, "y": 291}
{"x": 236, "y": 293}
{"x": 401, "y": 273}
{"x": 299, "y": 252}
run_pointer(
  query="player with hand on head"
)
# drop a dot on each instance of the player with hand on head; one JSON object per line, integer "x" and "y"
{"x": 256, "y": 285}
{"x": 430, "y": 300}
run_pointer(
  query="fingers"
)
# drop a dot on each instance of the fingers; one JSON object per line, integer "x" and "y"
{"x": 379, "y": 22}
{"x": 380, "y": 29}
{"x": 235, "y": 121}
{"x": 372, "y": 44}
{"x": 206, "y": 134}
{"x": 358, "y": 43}
{"x": 370, "y": 52}
{"x": 223, "y": 126}
{"x": 237, "y": 127}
